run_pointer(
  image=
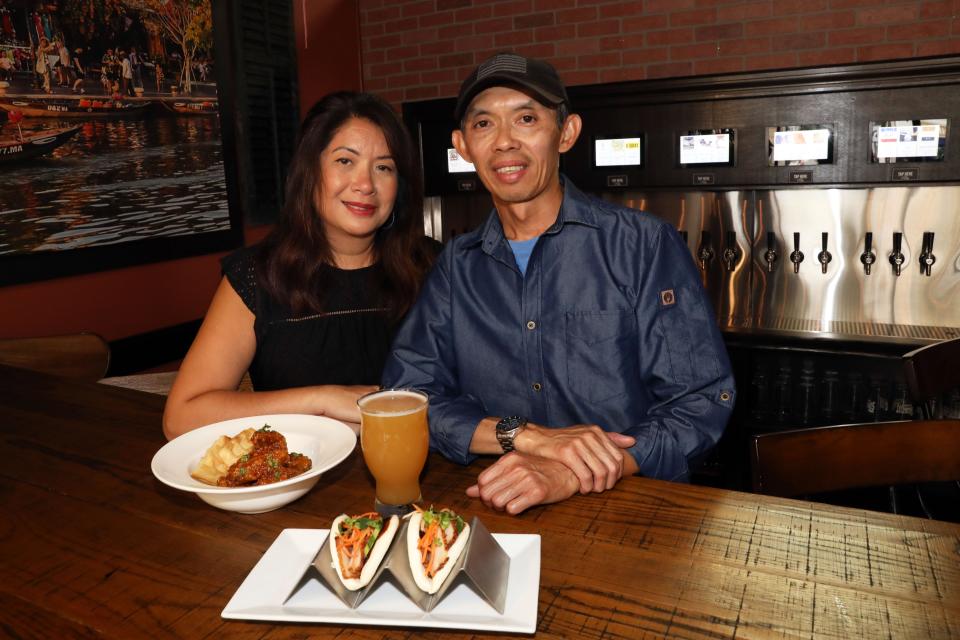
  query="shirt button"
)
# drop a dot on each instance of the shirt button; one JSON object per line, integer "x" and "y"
{"x": 531, "y": 325}
{"x": 537, "y": 386}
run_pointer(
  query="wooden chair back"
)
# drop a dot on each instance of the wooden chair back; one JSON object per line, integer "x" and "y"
{"x": 84, "y": 356}
{"x": 931, "y": 371}
{"x": 809, "y": 461}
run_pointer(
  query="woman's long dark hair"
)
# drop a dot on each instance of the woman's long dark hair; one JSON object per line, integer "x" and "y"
{"x": 291, "y": 254}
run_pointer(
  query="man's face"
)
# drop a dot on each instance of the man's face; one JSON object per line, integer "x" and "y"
{"x": 515, "y": 143}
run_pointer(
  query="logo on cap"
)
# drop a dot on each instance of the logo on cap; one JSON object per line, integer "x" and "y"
{"x": 503, "y": 63}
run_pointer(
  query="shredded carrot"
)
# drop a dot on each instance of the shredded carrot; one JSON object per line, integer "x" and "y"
{"x": 350, "y": 545}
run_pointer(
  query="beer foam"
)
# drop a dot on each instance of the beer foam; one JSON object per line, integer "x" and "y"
{"x": 392, "y": 403}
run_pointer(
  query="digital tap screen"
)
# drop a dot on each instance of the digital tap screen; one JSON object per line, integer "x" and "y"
{"x": 456, "y": 164}
{"x": 908, "y": 140}
{"x": 800, "y": 145}
{"x": 618, "y": 152}
{"x": 707, "y": 147}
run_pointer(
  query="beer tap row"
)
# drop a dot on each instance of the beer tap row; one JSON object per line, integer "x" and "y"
{"x": 731, "y": 253}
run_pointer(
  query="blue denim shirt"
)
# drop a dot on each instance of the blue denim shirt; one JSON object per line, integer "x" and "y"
{"x": 610, "y": 326}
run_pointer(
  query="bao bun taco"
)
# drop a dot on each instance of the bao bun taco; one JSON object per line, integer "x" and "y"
{"x": 359, "y": 545}
{"x": 435, "y": 539}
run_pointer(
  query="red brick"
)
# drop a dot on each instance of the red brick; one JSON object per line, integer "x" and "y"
{"x": 387, "y": 41}
{"x": 770, "y": 27}
{"x": 885, "y": 52}
{"x": 865, "y": 35}
{"x": 718, "y": 65}
{"x": 374, "y": 55}
{"x": 402, "y": 53}
{"x": 720, "y": 31}
{"x": 589, "y": 76}
{"x": 403, "y": 80}
{"x": 788, "y": 7}
{"x": 450, "y": 89}
{"x": 939, "y": 9}
{"x": 438, "y": 76}
{"x": 452, "y": 4}
{"x": 938, "y": 47}
{"x": 513, "y": 38}
{"x": 558, "y": 33}
{"x": 619, "y": 43}
{"x": 472, "y": 43}
{"x": 392, "y": 96}
{"x": 564, "y": 63}
{"x": 515, "y": 8}
{"x": 670, "y": 36}
{"x": 416, "y": 36}
{"x": 420, "y": 64}
{"x": 437, "y": 19}
{"x": 693, "y": 51}
{"x": 418, "y": 8}
{"x": 374, "y": 84}
{"x": 645, "y": 23}
{"x": 670, "y": 70}
{"x": 741, "y": 12}
{"x": 609, "y": 59}
{"x": 798, "y": 41}
{"x": 382, "y": 15}
{"x": 370, "y": 4}
{"x": 553, "y": 5}
{"x": 579, "y": 47}
{"x": 576, "y": 16}
{"x": 844, "y": 4}
{"x": 828, "y": 21}
{"x": 646, "y": 56}
{"x": 919, "y": 31}
{"x": 623, "y": 74}
{"x": 493, "y": 25}
{"x": 437, "y": 48}
{"x": 830, "y": 56}
{"x": 746, "y": 46}
{"x": 399, "y": 26}
{"x": 698, "y": 16}
{"x": 781, "y": 61}
{"x": 374, "y": 29}
{"x": 622, "y": 9}
{"x": 456, "y": 59}
{"x": 381, "y": 70}
{"x": 887, "y": 15}
{"x": 602, "y": 28}
{"x": 540, "y": 50}
{"x": 473, "y": 13}
{"x": 955, "y": 30}
{"x": 668, "y": 6}
{"x": 420, "y": 93}
{"x": 532, "y": 20}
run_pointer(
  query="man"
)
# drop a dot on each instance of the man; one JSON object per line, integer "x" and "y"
{"x": 569, "y": 334}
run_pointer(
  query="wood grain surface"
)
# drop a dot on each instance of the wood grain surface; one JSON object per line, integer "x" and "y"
{"x": 91, "y": 545}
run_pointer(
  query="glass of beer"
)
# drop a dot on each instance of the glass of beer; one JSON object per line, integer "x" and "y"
{"x": 394, "y": 439}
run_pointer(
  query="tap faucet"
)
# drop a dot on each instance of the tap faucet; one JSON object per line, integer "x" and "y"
{"x": 926, "y": 254}
{"x": 896, "y": 258}
{"x": 824, "y": 256}
{"x": 731, "y": 253}
{"x": 797, "y": 256}
{"x": 705, "y": 251}
{"x": 868, "y": 257}
{"x": 770, "y": 255}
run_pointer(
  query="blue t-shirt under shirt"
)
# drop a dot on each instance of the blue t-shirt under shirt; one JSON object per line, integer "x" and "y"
{"x": 522, "y": 250}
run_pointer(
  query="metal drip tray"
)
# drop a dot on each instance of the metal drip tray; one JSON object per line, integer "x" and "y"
{"x": 849, "y": 330}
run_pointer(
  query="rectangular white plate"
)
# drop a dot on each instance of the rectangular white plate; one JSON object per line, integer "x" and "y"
{"x": 262, "y": 594}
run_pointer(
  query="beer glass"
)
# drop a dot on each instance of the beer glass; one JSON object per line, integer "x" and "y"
{"x": 394, "y": 439}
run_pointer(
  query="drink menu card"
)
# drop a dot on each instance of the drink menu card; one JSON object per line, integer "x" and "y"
{"x": 908, "y": 141}
{"x": 713, "y": 148}
{"x": 617, "y": 152}
{"x": 810, "y": 144}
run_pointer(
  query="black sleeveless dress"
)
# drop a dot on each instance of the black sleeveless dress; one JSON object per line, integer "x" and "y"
{"x": 347, "y": 344}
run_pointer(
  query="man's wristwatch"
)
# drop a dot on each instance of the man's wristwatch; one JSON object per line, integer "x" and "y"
{"x": 507, "y": 430}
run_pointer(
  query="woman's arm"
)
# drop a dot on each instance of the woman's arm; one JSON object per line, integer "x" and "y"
{"x": 205, "y": 390}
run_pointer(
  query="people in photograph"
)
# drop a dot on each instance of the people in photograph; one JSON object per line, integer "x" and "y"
{"x": 126, "y": 74}
{"x": 158, "y": 73}
{"x": 136, "y": 64}
{"x": 311, "y": 311}
{"x": 6, "y": 66}
{"x": 78, "y": 71}
{"x": 43, "y": 66}
{"x": 64, "y": 66}
{"x": 109, "y": 76}
{"x": 568, "y": 335}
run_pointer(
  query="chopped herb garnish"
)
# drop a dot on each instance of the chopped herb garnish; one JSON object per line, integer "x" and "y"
{"x": 265, "y": 427}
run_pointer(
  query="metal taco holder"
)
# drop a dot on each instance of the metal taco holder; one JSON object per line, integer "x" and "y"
{"x": 483, "y": 565}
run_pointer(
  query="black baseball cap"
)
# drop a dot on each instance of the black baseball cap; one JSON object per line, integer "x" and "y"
{"x": 506, "y": 69}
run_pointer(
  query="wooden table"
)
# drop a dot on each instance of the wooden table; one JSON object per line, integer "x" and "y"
{"x": 91, "y": 545}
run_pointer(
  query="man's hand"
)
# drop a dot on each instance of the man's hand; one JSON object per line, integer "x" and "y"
{"x": 593, "y": 455}
{"x": 518, "y": 481}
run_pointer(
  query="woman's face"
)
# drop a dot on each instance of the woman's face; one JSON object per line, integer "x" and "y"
{"x": 358, "y": 182}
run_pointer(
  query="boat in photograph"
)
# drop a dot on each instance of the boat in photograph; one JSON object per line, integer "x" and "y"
{"x": 191, "y": 107}
{"x": 33, "y": 145}
{"x": 74, "y": 107}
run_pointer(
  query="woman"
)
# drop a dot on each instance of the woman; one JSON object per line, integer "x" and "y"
{"x": 312, "y": 310}
{"x": 44, "y": 50}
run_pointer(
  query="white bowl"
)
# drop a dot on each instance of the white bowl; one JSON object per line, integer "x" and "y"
{"x": 324, "y": 440}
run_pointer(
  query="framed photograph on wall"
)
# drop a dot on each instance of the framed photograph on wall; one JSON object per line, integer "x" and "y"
{"x": 116, "y": 143}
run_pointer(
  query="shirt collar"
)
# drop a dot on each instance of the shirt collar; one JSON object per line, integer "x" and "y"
{"x": 575, "y": 209}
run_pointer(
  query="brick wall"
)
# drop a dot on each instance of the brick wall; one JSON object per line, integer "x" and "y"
{"x": 421, "y": 49}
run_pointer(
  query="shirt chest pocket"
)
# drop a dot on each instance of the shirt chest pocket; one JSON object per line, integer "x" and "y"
{"x": 602, "y": 353}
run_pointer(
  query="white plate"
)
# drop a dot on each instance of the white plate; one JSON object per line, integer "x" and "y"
{"x": 326, "y": 441}
{"x": 262, "y": 594}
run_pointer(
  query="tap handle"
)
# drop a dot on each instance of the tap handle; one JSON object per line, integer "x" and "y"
{"x": 771, "y": 241}
{"x": 796, "y": 241}
{"x": 867, "y": 258}
{"x": 926, "y": 256}
{"x": 731, "y": 238}
{"x": 823, "y": 241}
{"x": 897, "y": 241}
{"x": 868, "y": 242}
{"x": 927, "y": 241}
{"x": 824, "y": 258}
{"x": 704, "y": 238}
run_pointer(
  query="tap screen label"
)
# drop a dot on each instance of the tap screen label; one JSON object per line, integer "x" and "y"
{"x": 618, "y": 152}
{"x": 908, "y": 140}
